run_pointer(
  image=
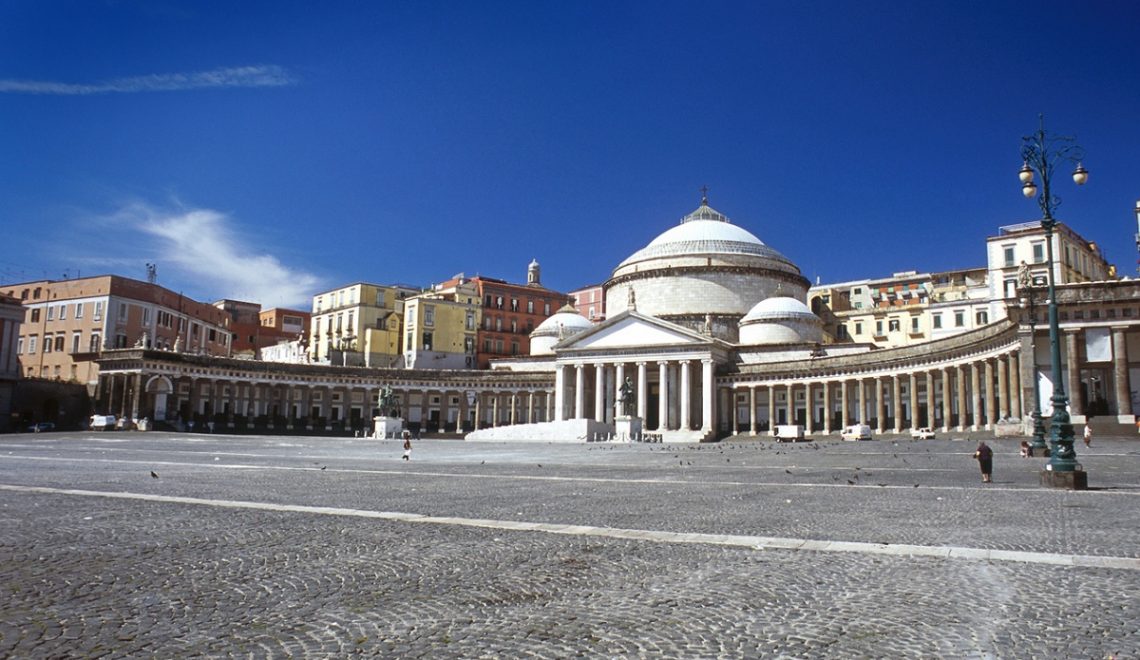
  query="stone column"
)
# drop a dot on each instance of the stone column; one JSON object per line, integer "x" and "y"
{"x": 735, "y": 407}
{"x": 809, "y": 408}
{"x": 826, "y": 407}
{"x": 463, "y": 410}
{"x": 896, "y": 399}
{"x": 1072, "y": 361}
{"x": 494, "y": 409}
{"x": 1002, "y": 385}
{"x": 975, "y": 397}
{"x": 642, "y": 390}
{"x": 752, "y": 410}
{"x": 579, "y": 391}
{"x": 913, "y": 400}
{"x": 559, "y": 393}
{"x": 880, "y": 407}
{"x": 600, "y": 393}
{"x": 843, "y": 388}
{"x": 961, "y": 398}
{"x": 1014, "y": 385}
{"x": 663, "y": 396}
{"x": 514, "y": 408}
{"x": 991, "y": 404}
{"x": 862, "y": 401}
{"x": 789, "y": 405}
{"x": 930, "y": 400}
{"x": 530, "y": 396}
{"x": 946, "y": 394}
{"x": 479, "y": 409}
{"x": 1120, "y": 375}
{"x": 771, "y": 410}
{"x": 707, "y": 385}
{"x": 687, "y": 397}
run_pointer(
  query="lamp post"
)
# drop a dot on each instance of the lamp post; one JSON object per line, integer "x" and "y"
{"x": 1041, "y": 153}
{"x": 1038, "y": 445}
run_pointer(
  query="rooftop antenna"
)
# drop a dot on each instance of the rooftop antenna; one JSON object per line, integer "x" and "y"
{"x": 151, "y": 273}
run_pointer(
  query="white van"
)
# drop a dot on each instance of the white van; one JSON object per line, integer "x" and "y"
{"x": 856, "y": 432}
{"x": 791, "y": 432}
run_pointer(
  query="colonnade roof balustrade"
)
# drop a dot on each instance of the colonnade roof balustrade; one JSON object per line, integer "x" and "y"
{"x": 994, "y": 339}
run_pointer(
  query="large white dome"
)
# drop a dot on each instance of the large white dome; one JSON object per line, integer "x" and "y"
{"x": 704, "y": 268}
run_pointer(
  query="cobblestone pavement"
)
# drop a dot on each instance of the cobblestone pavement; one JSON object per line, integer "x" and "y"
{"x": 272, "y": 547}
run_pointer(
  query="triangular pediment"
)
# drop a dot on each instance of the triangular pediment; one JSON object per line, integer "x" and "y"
{"x": 630, "y": 329}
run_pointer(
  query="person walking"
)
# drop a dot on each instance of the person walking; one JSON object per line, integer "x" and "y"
{"x": 407, "y": 446}
{"x": 1088, "y": 435}
{"x": 985, "y": 457}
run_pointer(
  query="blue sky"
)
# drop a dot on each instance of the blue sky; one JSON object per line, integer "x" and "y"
{"x": 270, "y": 150}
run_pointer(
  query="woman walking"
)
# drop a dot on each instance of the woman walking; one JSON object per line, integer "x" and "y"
{"x": 985, "y": 457}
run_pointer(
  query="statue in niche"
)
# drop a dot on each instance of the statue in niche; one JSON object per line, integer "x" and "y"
{"x": 632, "y": 299}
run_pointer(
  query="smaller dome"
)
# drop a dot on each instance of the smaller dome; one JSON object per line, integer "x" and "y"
{"x": 563, "y": 323}
{"x": 778, "y": 307}
{"x": 780, "y": 320}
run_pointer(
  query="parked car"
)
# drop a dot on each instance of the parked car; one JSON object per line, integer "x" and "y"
{"x": 102, "y": 422}
{"x": 41, "y": 426}
{"x": 856, "y": 432}
{"x": 922, "y": 434}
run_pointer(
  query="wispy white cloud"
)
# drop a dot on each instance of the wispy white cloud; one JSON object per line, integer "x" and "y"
{"x": 202, "y": 251}
{"x": 243, "y": 76}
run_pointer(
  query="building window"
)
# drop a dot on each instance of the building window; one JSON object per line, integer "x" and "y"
{"x": 530, "y": 307}
{"x": 1038, "y": 253}
{"x": 914, "y": 324}
{"x": 469, "y": 345}
{"x": 1007, "y": 256}
{"x": 19, "y": 346}
{"x": 379, "y": 298}
{"x": 514, "y": 326}
{"x": 98, "y": 311}
{"x": 408, "y": 340}
{"x": 123, "y": 311}
{"x": 514, "y": 348}
{"x": 95, "y": 345}
{"x": 62, "y": 312}
{"x": 47, "y": 343}
{"x": 427, "y": 341}
{"x": 486, "y": 345}
{"x": 546, "y": 309}
{"x": 470, "y": 321}
{"x": 34, "y": 315}
{"x": 841, "y": 331}
{"x": 59, "y": 343}
{"x": 514, "y": 304}
{"x": 429, "y": 314}
{"x": 878, "y": 328}
{"x": 498, "y": 324}
{"x": 51, "y": 312}
{"x": 981, "y": 318}
{"x": 351, "y": 320}
{"x": 959, "y": 319}
{"x": 858, "y": 327}
{"x": 499, "y": 346}
{"x": 75, "y": 342}
{"x": 893, "y": 325}
{"x": 937, "y": 319}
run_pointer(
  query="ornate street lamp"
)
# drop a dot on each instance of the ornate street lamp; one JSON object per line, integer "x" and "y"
{"x": 1041, "y": 154}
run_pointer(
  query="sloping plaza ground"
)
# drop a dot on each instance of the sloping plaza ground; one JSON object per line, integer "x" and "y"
{"x": 259, "y": 546}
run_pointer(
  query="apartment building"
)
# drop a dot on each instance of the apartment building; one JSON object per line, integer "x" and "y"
{"x": 510, "y": 312}
{"x": 68, "y": 322}
{"x": 441, "y": 328}
{"x": 11, "y": 316}
{"x": 1075, "y": 259}
{"x": 359, "y": 324}
{"x": 590, "y": 301}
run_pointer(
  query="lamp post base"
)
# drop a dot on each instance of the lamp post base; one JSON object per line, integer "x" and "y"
{"x": 1071, "y": 480}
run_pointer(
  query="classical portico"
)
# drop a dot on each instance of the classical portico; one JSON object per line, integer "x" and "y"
{"x": 672, "y": 370}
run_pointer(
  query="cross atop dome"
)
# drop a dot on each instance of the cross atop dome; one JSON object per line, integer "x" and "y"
{"x": 704, "y": 211}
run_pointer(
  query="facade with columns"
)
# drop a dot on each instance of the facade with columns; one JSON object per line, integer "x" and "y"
{"x": 708, "y": 331}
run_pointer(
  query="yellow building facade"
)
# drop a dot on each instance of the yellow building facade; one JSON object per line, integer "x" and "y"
{"x": 358, "y": 324}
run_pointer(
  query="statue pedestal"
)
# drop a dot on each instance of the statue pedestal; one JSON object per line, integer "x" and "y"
{"x": 627, "y": 429}
{"x": 387, "y": 427}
